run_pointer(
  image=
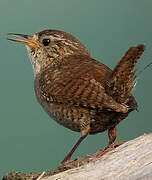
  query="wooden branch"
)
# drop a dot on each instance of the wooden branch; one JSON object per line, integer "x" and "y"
{"x": 130, "y": 161}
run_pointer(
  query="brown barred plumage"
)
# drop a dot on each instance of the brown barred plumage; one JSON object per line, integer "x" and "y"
{"x": 77, "y": 91}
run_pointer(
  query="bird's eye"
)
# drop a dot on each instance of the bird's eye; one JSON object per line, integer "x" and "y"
{"x": 46, "y": 42}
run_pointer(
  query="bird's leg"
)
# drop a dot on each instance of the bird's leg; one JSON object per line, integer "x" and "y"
{"x": 68, "y": 156}
{"x": 84, "y": 135}
{"x": 112, "y": 133}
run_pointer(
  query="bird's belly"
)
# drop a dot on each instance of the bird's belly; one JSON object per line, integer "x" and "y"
{"x": 64, "y": 115}
{"x": 70, "y": 117}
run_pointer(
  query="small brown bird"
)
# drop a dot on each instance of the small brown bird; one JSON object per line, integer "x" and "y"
{"x": 77, "y": 91}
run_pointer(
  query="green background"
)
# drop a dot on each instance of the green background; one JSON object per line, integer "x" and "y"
{"x": 29, "y": 139}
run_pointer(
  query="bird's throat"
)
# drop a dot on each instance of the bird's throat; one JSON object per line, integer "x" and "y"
{"x": 34, "y": 61}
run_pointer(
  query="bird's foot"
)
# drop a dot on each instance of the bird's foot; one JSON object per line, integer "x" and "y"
{"x": 110, "y": 147}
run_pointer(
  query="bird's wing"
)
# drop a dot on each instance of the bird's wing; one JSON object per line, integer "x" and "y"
{"x": 88, "y": 93}
{"x": 78, "y": 86}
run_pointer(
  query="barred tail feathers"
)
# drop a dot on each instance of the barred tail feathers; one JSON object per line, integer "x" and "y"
{"x": 122, "y": 79}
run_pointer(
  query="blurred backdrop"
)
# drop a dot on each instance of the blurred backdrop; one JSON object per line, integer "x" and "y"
{"x": 29, "y": 139}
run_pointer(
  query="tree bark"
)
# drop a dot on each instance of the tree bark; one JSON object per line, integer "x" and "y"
{"x": 130, "y": 161}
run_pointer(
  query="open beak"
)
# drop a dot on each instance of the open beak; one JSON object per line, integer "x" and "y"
{"x": 28, "y": 40}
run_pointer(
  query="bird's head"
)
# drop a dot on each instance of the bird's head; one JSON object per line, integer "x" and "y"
{"x": 49, "y": 47}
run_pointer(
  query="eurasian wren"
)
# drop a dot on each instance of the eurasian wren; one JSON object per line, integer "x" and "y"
{"x": 77, "y": 91}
